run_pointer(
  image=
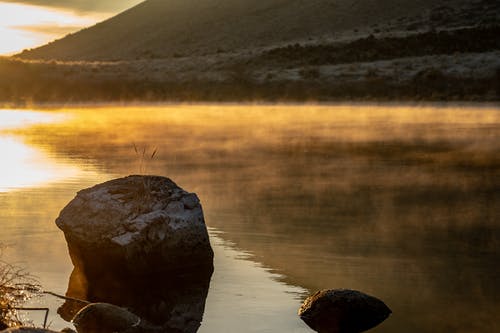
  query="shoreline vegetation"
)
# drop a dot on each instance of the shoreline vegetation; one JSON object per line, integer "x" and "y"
{"x": 17, "y": 286}
{"x": 460, "y": 64}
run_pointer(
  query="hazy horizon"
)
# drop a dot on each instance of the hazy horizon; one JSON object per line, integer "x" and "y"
{"x": 31, "y": 23}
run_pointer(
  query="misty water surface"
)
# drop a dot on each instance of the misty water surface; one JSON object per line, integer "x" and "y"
{"x": 400, "y": 202}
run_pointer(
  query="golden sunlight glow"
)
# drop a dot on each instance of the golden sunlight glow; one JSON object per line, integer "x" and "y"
{"x": 26, "y": 26}
{"x": 23, "y": 166}
{"x": 10, "y": 119}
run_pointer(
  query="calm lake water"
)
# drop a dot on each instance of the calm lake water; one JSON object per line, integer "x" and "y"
{"x": 400, "y": 202}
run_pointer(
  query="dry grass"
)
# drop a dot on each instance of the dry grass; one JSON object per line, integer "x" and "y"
{"x": 144, "y": 157}
{"x": 16, "y": 287}
{"x": 143, "y": 197}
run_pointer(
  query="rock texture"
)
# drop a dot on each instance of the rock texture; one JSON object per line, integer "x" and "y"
{"x": 139, "y": 242}
{"x": 105, "y": 318}
{"x": 343, "y": 311}
{"x": 136, "y": 225}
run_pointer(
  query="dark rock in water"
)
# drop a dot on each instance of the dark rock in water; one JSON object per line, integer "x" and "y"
{"x": 343, "y": 311}
{"x": 106, "y": 318}
{"x": 136, "y": 225}
{"x": 141, "y": 243}
{"x": 68, "y": 330}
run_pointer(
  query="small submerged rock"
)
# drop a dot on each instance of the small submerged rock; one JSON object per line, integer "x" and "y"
{"x": 343, "y": 311}
{"x": 106, "y": 318}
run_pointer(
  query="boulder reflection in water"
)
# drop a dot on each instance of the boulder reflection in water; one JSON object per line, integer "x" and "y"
{"x": 175, "y": 302}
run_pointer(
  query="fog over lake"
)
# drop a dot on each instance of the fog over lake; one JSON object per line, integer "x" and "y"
{"x": 402, "y": 202}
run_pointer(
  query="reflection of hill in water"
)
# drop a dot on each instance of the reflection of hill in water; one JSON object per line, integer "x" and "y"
{"x": 400, "y": 203}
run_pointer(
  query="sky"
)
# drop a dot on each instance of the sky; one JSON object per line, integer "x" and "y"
{"x": 30, "y": 23}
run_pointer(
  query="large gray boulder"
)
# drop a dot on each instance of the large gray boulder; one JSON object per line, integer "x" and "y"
{"x": 136, "y": 225}
{"x": 139, "y": 242}
{"x": 343, "y": 311}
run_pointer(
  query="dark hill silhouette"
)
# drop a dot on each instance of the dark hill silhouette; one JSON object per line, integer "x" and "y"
{"x": 173, "y": 28}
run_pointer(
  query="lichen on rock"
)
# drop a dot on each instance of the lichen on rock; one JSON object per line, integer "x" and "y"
{"x": 139, "y": 225}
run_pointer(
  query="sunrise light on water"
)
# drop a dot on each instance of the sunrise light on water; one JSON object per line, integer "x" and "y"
{"x": 11, "y": 119}
{"x": 24, "y": 166}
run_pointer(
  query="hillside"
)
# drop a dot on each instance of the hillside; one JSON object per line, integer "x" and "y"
{"x": 275, "y": 50}
{"x": 172, "y": 28}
